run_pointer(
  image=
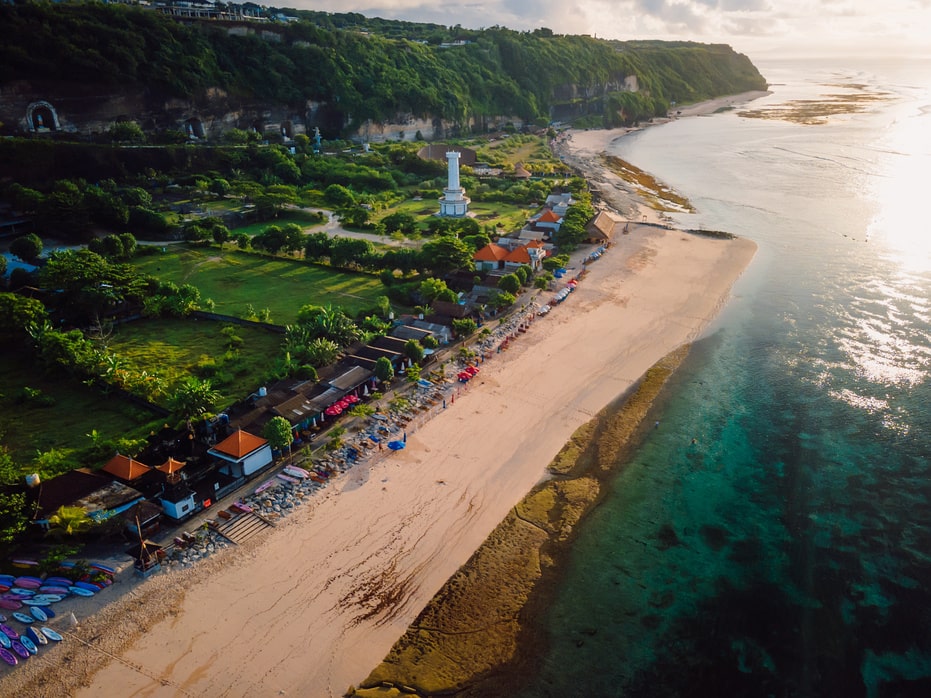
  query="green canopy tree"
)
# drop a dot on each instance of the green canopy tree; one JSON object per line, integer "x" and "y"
{"x": 413, "y": 350}
{"x": 278, "y": 433}
{"x": 27, "y": 248}
{"x": 384, "y": 371}
{"x": 446, "y": 254}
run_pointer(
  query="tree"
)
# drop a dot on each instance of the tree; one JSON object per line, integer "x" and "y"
{"x": 399, "y": 222}
{"x": 13, "y": 519}
{"x": 463, "y": 327}
{"x": 509, "y": 283}
{"x": 69, "y": 521}
{"x": 193, "y": 398}
{"x": 384, "y": 371}
{"x": 413, "y": 350}
{"x": 17, "y": 314}
{"x": 3, "y": 264}
{"x": 446, "y": 254}
{"x": 347, "y": 253}
{"x": 412, "y": 373}
{"x": 221, "y": 234}
{"x": 339, "y": 197}
{"x": 354, "y": 217}
{"x": 321, "y": 352}
{"x": 317, "y": 246}
{"x": 503, "y": 299}
{"x": 27, "y": 248}
{"x": 278, "y": 433}
{"x": 127, "y": 132}
{"x": 431, "y": 288}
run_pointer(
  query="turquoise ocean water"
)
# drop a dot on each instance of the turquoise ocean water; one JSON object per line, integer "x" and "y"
{"x": 786, "y": 551}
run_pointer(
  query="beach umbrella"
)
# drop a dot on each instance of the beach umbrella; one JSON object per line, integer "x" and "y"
{"x": 396, "y": 445}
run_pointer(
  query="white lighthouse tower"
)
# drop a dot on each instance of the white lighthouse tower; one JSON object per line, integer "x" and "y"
{"x": 454, "y": 202}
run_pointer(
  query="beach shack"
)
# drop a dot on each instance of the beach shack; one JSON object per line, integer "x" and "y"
{"x": 601, "y": 228}
{"x": 243, "y": 454}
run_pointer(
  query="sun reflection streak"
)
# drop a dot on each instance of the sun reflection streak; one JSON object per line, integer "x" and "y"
{"x": 900, "y": 224}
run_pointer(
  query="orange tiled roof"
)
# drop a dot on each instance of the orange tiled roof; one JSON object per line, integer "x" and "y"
{"x": 240, "y": 444}
{"x": 171, "y": 466}
{"x": 519, "y": 255}
{"x": 490, "y": 253}
{"x": 534, "y": 243}
{"x": 548, "y": 217}
{"x": 125, "y": 468}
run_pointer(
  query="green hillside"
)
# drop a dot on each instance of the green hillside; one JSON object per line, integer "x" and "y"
{"x": 363, "y": 68}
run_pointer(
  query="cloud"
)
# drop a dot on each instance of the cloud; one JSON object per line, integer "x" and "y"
{"x": 748, "y": 25}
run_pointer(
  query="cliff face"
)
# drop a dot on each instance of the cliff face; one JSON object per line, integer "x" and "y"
{"x": 34, "y": 108}
{"x": 86, "y": 109}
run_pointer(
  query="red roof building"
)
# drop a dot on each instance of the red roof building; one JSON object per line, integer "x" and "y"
{"x": 239, "y": 444}
{"x": 245, "y": 453}
{"x": 125, "y": 468}
{"x": 490, "y": 257}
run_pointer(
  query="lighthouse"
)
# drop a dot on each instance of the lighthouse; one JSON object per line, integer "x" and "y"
{"x": 454, "y": 203}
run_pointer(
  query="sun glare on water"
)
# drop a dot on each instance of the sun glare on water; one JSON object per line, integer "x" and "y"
{"x": 902, "y": 223}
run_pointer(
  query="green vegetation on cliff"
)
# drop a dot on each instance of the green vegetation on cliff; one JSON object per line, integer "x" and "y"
{"x": 395, "y": 67}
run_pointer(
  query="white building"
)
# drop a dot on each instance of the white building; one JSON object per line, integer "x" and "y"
{"x": 454, "y": 202}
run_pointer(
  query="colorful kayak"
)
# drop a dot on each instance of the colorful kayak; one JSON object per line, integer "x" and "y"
{"x": 20, "y": 649}
{"x": 20, "y": 592}
{"x": 46, "y": 599}
{"x": 8, "y": 656}
{"x": 36, "y": 601}
{"x": 61, "y": 591}
{"x": 5, "y": 641}
{"x": 87, "y": 585}
{"x": 24, "y": 617}
{"x": 8, "y": 631}
{"x": 10, "y": 604}
{"x": 58, "y": 582}
{"x": 102, "y": 568}
{"x": 51, "y": 634}
{"x": 28, "y": 644}
{"x": 37, "y": 636}
{"x": 48, "y": 611}
{"x": 81, "y": 591}
{"x": 7, "y": 579}
{"x": 27, "y": 582}
{"x": 4, "y": 587}
{"x": 39, "y": 614}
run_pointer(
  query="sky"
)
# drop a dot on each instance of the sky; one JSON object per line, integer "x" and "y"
{"x": 754, "y": 27}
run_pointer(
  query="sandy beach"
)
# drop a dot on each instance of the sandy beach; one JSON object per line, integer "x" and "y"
{"x": 311, "y": 607}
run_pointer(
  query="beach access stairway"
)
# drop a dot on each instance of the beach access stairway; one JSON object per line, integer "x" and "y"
{"x": 241, "y": 525}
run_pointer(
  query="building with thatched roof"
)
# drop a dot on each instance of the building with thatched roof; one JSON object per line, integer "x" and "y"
{"x": 601, "y": 228}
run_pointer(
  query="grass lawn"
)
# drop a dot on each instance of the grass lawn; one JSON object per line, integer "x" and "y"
{"x": 28, "y": 426}
{"x": 504, "y": 215}
{"x": 236, "y": 280}
{"x": 174, "y": 348}
{"x": 305, "y": 219}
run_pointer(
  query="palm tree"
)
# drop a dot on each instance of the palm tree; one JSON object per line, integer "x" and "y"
{"x": 69, "y": 521}
{"x": 194, "y": 398}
